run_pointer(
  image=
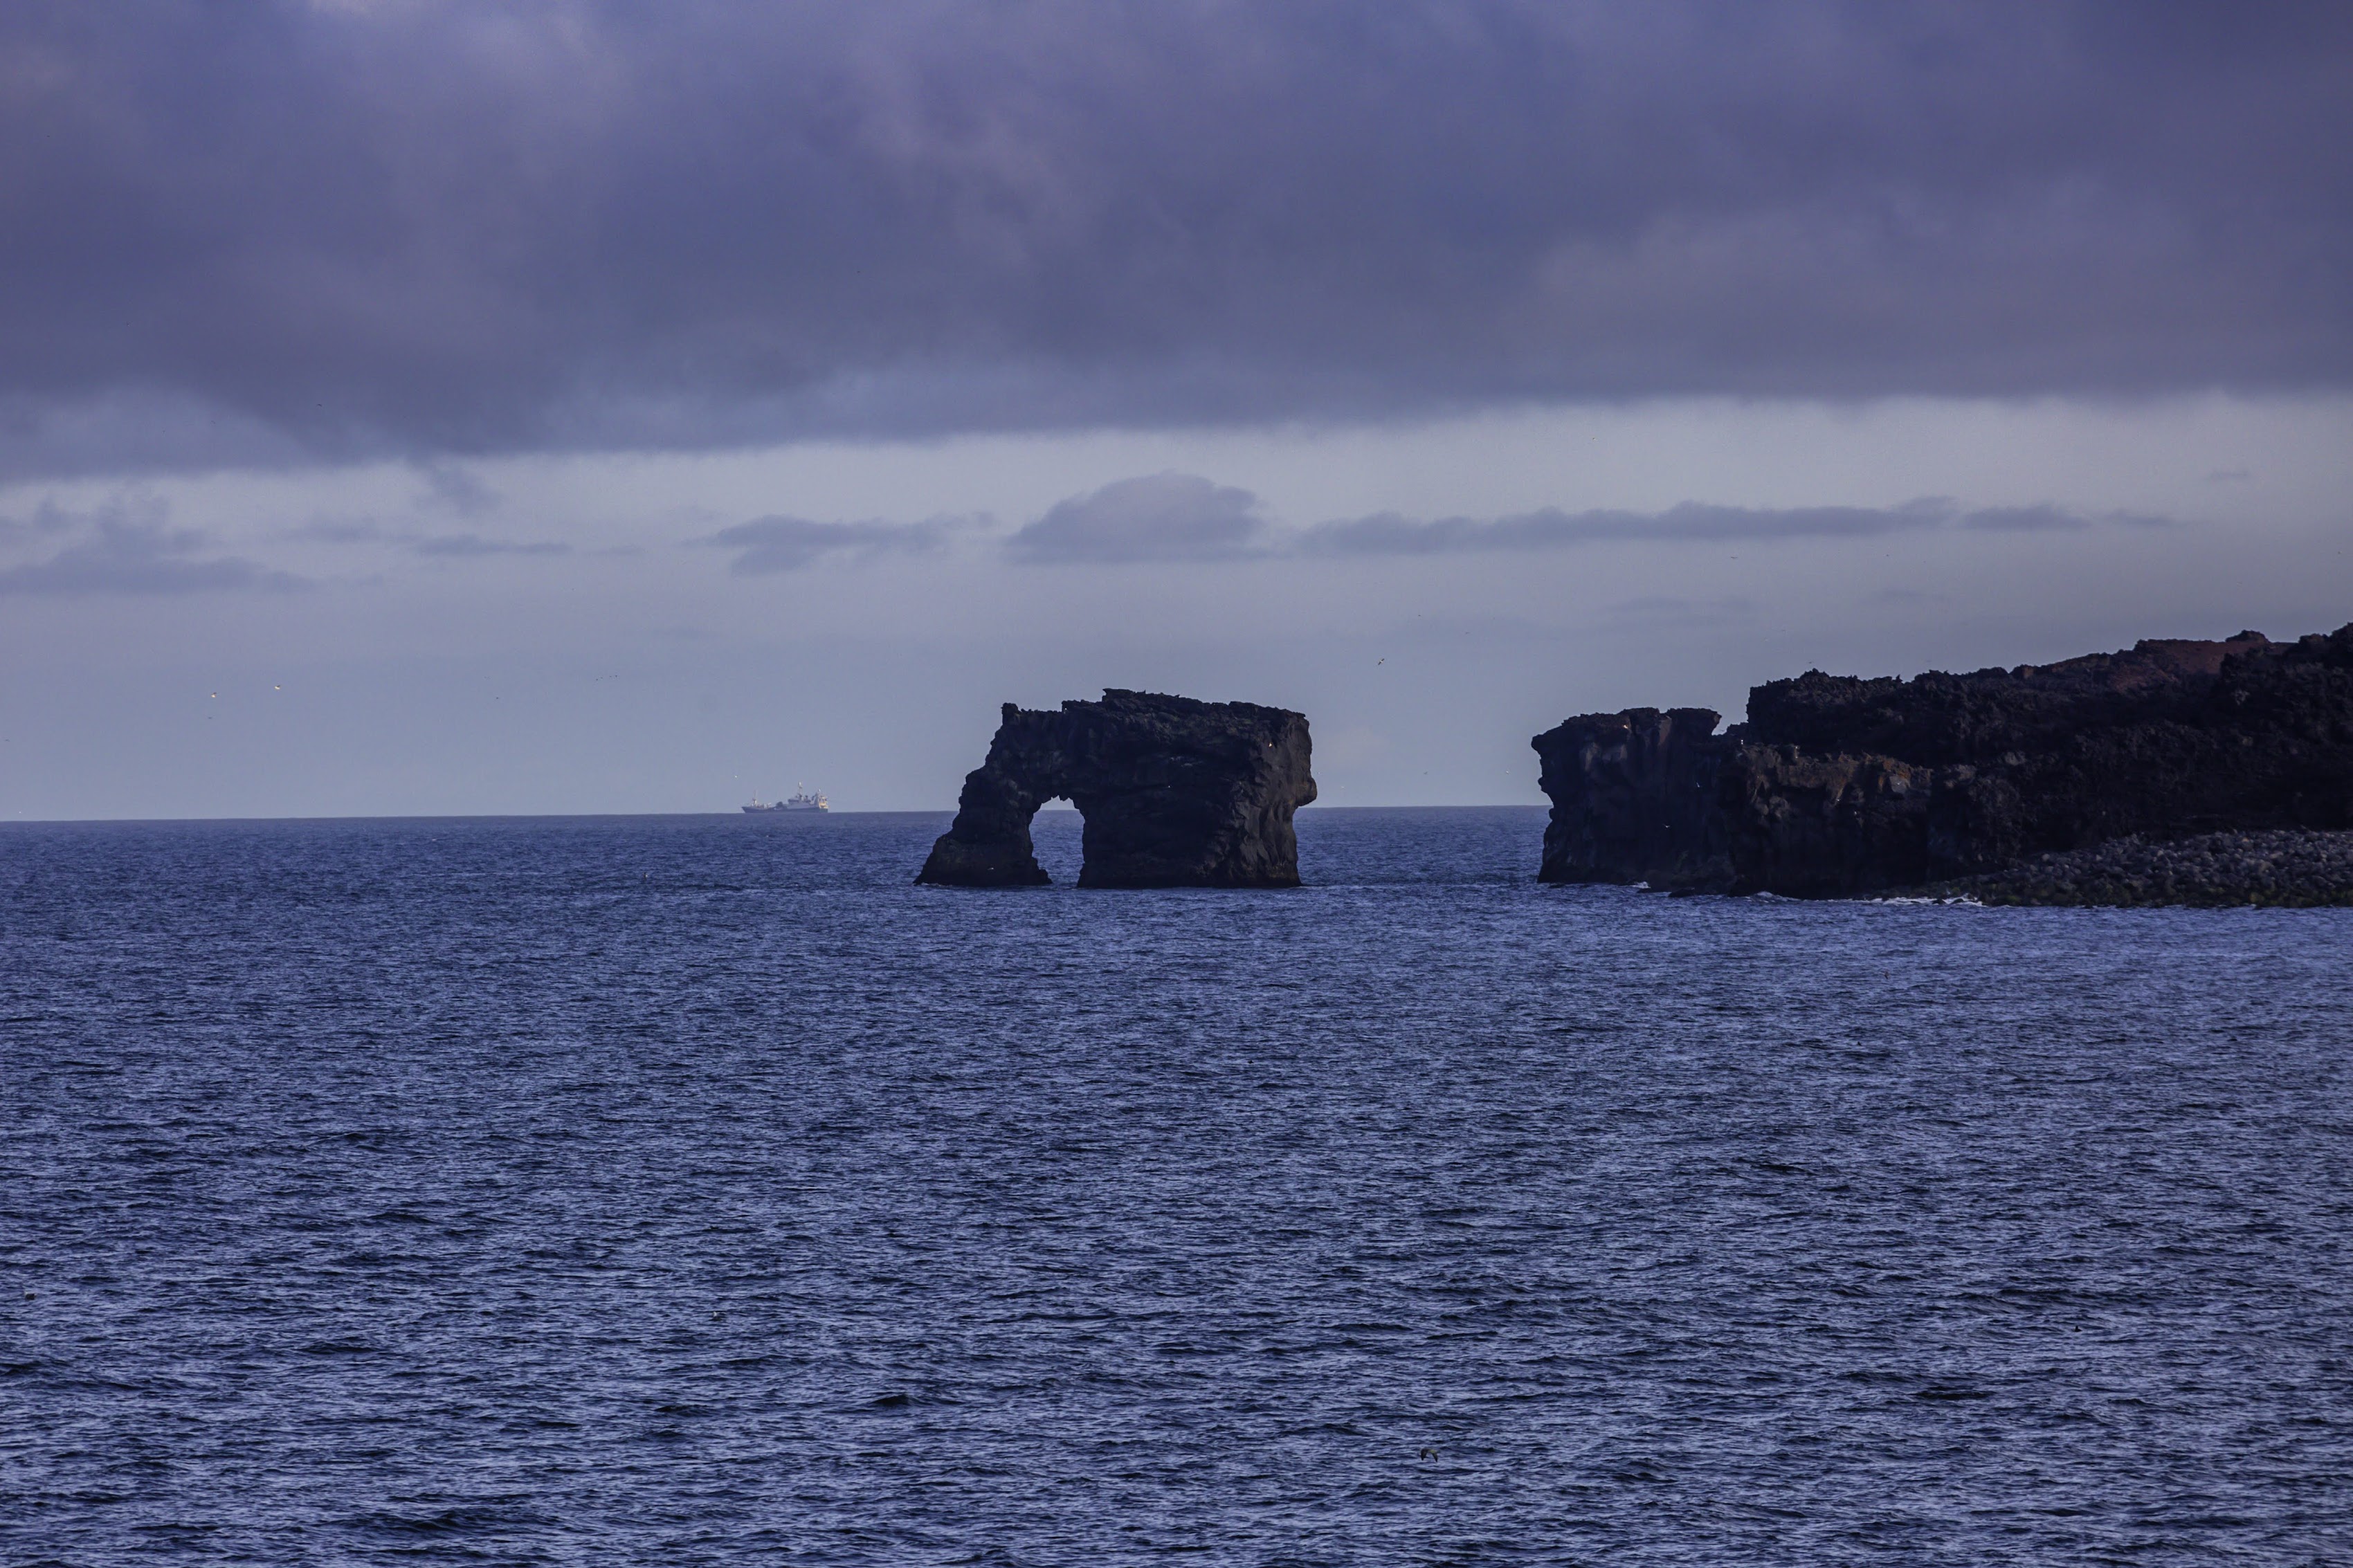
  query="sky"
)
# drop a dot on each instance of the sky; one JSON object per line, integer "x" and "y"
{"x": 415, "y": 407}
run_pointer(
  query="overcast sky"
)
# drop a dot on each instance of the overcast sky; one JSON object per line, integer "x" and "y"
{"x": 416, "y": 407}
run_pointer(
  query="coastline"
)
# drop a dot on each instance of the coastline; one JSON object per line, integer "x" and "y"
{"x": 2281, "y": 869}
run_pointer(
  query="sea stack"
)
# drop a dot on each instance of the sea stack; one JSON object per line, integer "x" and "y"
{"x": 1174, "y": 794}
{"x": 1838, "y": 786}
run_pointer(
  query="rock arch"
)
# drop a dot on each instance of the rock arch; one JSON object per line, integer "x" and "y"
{"x": 1174, "y": 794}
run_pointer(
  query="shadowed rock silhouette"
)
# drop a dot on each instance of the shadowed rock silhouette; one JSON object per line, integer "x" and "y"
{"x": 1174, "y": 794}
{"x": 1838, "y": 786}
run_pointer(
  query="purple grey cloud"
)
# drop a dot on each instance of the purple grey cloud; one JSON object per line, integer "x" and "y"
{"x": 1159, "y": 517}
{"x": 1183, "y": 517}
{"x": 125, "y": 548}
{"x": 1549, "y": 528}
{"x": 1387, "y": 533}
{"x": 446, "y": 546}
{"x": 766, "y": 545}
{"x": 279, "y": 227}
{"x": 471, "y": 545}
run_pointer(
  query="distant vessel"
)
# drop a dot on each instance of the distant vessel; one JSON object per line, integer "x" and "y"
{"x": 801, "y": 802}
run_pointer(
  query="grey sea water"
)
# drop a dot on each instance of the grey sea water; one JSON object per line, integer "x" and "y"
{"x": 699, "y": 1191}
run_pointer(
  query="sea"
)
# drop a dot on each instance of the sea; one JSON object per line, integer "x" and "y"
{"x": 689, "y": 1190}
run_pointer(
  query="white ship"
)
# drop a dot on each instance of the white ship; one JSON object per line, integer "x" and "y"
{"x": 804, "y": 801}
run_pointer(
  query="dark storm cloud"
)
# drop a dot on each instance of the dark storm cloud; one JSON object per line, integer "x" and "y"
{"x": 1159, "y": 517}
{"x": 766, "y": 545}
{"x": 1387, "y": 534}
{"x": 123, "y": 548}
{"x": 258, "y": 230}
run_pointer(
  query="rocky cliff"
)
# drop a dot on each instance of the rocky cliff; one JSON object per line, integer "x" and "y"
{"x": 1174, "y": 794}
{"x": 1634, "y": 798}
{"x": 1837, "y": 786}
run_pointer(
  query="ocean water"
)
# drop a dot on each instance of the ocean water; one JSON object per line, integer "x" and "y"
{"x": 694, "y": 1190}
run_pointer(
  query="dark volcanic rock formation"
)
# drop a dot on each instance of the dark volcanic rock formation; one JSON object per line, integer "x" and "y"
{"x": 1634, "y": 798}
{"x": 1176, "y": 794}
{"x": 1838, "y": 786}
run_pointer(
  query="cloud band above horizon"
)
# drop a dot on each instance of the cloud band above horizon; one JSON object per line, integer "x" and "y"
{"x": 288, "y": 231}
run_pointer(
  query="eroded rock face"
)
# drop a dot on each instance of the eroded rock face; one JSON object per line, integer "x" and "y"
{"x": 1635, "y": 798}
{"x": 1838, "y": 786}
{"x": 1174, "y": 794}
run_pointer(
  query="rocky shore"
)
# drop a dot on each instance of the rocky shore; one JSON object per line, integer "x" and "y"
{"x": 1842, "y": 787}
{"x": 2285, "y": 869}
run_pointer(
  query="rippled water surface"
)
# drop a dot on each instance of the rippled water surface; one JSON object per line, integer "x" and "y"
{"x": 695, "y": 1190}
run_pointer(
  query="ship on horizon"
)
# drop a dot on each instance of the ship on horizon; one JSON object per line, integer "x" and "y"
{"x": 804, "y": 801}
